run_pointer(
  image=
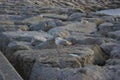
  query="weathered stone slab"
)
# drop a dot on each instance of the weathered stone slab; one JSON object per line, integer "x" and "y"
{"x": 114, "y": 34}
{"x": 4, "y": 28}
{"x": 85, "y": 39}
{"x": 75, "y": 27}
{"x": 45, "y": 25}
{"x": 20, "y": 40}
{"x": 115, "y": 53}
{"x": 26, "y": 36}
{"x": 50, "y": 73}
{"x": 113, "y": 71}
{"x": 108, "y": 47}
{"x": 11, "y": 17}
{"x": 55, "y": 16}
{"x": 61, "y": 58}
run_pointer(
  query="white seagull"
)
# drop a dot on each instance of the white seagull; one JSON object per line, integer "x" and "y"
{"x": 84, "y": 21}
{"x": 60, "y": 41}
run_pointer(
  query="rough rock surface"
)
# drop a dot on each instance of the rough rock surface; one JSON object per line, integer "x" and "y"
{"x": 62, "y": 58}
{"x": 28, "y": 31}
{"x": 69, "y": 73}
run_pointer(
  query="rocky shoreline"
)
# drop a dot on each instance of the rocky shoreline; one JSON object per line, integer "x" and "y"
{"x": 60, "y": 39}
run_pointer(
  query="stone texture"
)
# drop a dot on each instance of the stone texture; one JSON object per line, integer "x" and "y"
{"x": 68, "y": 73}
{"x": 33, "y": 52}
{"x": 85, "y": 39}
{"x": 76, "y": 16}
{"x": 114, "y": 35}
{"x": 62, "y": 58}
{"x": 74, "y": 27}
{"x": 4, "y": 28}
{"x": 46, "y": 25}
{"x": 21, "y": 40}
{"x": 115, "y": 52}
{"x": 26, "y": 36}
{"x": 59, "y": 31}
{"x": 113, "y": 71}
{"x": 113, "y": 62}
{"x": 55, "y": 16}
{"x": 104, "y": 28}
{"x": 108, "y": 47}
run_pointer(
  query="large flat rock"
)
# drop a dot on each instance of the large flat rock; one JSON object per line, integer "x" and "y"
{"x": 27, "y": 36}
{"x": 61, "y": 58}
{"x": 49, "y": 73}
{"x": 111, "y": 12}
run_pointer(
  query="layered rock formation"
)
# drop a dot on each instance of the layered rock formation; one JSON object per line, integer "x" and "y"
{"x": 29, "y": 28}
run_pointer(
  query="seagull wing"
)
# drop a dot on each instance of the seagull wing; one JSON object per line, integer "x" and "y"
{"x": 65, "y": 42}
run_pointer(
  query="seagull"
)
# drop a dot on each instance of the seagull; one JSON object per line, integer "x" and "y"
{"x": 84, "y": 22}
{"x": 62, "y": 42}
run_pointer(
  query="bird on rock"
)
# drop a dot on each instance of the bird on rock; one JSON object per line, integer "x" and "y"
{"x": 84, "y": 21}
{"x": 62, "y": 42}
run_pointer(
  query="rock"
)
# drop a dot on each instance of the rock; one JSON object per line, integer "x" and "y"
{"x": 49, "y": 44}
{"x": 4, "y": 28}
{"x": 62, "y": 58}
{"x": 108, "y": 47}
{"x": 113, "y": 71}
{"x": 83, "y": 5}
{"x": 84, "y": 39}
{"x": 55, "y": 16}
{"x": 25, "y": 36}
{"x": 113, "y": 62}
{"x": 6, "y": 22}
{"x": 23, "y": 27}
{"x": 55, "y": 73}
{"x": 97, "y": 21}
{"x": 114, "y": 34}
{"x": 37, "y": 40}
{"x": 115, "y": 52}
{"x": 59, "y": 31}
{"x": 104, "y": 28}
{"x": 99, "y": 56}
{"x": 74, "y": 27}
{"x": 76, "y": 16}
{"x": 105, "y": 24}
{"x": 46, "y": 25}
{"x": 11, "y": 17}
{"x": 98, "y": 72}
{"x": 16, "y": 46}
{"x": 93, "y": 54}
{"x": 40, "y": 72}
{"x": 79, "y": 27}
{"x": 35, "y": 19}
{"x": 116, "y": 26}
{"x": 112, "y": 19}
